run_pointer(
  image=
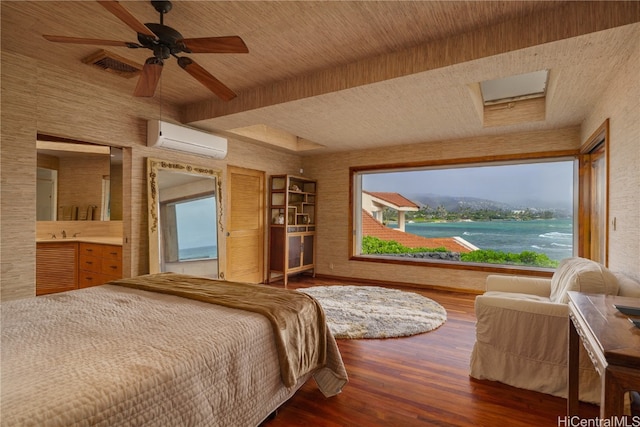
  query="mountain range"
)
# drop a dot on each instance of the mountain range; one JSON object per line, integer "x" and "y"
{"x": 455, "y": 203}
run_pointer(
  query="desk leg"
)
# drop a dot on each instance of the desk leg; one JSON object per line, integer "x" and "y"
{"x": 573, "y": 370}
{"x": 613, "y": 389}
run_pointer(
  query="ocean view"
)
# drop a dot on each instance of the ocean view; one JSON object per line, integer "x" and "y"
{"x": 552, "y": 237}
{"x": 202, "y": 252}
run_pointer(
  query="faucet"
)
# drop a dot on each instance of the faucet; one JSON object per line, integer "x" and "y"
{"x": 76, "y": 234}
{"x": 53, "y": 235}
{"x": 64, "y": 234}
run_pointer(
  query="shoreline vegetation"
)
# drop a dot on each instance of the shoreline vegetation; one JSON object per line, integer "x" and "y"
{"x": 375, "y": 246}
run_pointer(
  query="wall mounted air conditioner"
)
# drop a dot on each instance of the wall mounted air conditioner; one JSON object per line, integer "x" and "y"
{"x": 175, "y": 137}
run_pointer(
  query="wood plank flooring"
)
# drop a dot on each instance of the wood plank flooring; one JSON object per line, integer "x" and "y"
{"x": 419, "y": 381}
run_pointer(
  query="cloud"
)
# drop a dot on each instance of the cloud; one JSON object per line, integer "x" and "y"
{"x": 513, "y": 184}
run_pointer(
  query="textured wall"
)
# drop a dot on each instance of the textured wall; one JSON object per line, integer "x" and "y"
{"x": 39, "y": 97}
{"x": 621, "y": 104}
{"x": 332, "y": 173}
{"x": 18, "y": 177}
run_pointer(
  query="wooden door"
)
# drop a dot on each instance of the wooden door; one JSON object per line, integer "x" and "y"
{"x": 597, "y": 215}
{"x": 245, "y": 225}
{"x": 594, "y": 197}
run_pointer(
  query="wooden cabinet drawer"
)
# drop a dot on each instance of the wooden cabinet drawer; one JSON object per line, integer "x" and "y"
{"x": 90, "y": 263}
{"x": 90, "y": 249}
{"x": 112, "y": 252}
{"x": 87, "y": 279}
{"x": 111, "y": 267}
{"x": 99, "y": 264}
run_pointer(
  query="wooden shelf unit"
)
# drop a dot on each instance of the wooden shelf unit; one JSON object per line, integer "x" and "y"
{"x": 292, "y": 226}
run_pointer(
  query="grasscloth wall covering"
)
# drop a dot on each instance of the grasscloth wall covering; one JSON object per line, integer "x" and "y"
{"x": 38, "y": 97}
{"x": 332, "y": 172}
{"x": 621, "y": 103}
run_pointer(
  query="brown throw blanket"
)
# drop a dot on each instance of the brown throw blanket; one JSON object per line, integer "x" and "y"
{"x": 297, "y": 319}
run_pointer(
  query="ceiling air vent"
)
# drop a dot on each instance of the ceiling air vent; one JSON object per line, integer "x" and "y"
{"x": 113, "y": 63}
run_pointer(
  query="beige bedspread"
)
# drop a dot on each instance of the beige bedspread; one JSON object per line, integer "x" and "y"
{"x": 298, "y": 321}
{"x": 112, "y": 355}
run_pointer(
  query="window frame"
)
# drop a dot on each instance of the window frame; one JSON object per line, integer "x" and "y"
{"x": 596, "y": 144}
{"x": 354, "y": 192}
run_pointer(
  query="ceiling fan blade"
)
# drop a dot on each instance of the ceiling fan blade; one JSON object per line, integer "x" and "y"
{"x": 203, "y": 76}
{"x": 123, "y": 14}
{"x": 149, "y": 78}
{"x": 227, "y": 44}
{"x": 79, "y": 40}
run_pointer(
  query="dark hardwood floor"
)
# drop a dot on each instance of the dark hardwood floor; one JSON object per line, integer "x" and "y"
{"x": 419, "y": 381}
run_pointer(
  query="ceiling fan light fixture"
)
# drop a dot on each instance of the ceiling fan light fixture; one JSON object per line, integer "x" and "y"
{"x": 161, "y": 52}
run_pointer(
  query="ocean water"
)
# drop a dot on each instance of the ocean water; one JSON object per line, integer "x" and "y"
{"x": 198, "y": 253}
{"x": 553, "y": 237}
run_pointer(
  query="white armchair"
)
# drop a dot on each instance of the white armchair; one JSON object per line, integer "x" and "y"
{"x": 522, "y": 327}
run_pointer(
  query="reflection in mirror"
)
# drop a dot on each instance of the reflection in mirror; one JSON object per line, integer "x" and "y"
{"x": 78, "y": 181}
{"x": 184, "y": 217}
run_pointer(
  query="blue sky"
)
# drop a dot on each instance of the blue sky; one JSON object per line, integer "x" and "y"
{"x": 513, "y": 184}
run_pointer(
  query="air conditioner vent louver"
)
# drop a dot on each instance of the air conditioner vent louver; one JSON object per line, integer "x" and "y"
{"x": 113, "y": 63}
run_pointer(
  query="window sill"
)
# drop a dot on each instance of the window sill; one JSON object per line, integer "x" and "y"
{"x": 428, "y": 263}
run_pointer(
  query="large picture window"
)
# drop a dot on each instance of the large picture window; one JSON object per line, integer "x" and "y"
{"x": 497, "y": 213}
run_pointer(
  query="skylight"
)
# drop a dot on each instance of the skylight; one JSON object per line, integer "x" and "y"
{"x": 513, "y": 88}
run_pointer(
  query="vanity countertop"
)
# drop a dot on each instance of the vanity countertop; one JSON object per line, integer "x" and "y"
{"x": 104, "y": 240}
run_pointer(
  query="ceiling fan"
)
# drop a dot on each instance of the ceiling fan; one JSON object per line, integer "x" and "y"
{"x": 165, "y": 42}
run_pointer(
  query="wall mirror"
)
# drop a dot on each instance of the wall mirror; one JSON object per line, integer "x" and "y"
{"x": 78, "y": 181}
{"x": 185, "y": 218}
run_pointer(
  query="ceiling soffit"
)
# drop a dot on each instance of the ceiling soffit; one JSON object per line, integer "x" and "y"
{"x": 570, "y": 20}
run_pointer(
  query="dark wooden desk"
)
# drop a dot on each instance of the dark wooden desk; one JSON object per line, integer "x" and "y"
{"x": 613, "y": 345}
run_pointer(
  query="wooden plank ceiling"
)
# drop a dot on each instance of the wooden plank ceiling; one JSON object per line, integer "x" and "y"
{"x": 346, "y": 75}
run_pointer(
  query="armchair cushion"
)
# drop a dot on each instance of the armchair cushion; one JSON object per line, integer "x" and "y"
{"x": 581, "y": 275}
{"x": 520, "y": 284}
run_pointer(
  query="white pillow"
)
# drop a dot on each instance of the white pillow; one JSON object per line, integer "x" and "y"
{"x": 581, "y": 275}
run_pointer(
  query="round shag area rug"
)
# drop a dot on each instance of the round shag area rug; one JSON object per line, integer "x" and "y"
{"x": 376, "y": 312}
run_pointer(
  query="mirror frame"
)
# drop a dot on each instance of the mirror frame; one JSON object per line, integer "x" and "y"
{"x": 153, "y": 204}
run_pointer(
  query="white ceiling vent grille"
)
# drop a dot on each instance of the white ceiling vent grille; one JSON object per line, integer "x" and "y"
{"x": 112, "y": 63}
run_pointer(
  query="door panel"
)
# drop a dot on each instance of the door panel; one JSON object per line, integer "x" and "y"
{"x": 245, "y": 238}
{"x": 593, "y": 225}
{"x": 598, "y": 224}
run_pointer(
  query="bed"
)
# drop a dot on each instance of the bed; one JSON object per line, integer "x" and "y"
{"x": 140, "y": 352}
